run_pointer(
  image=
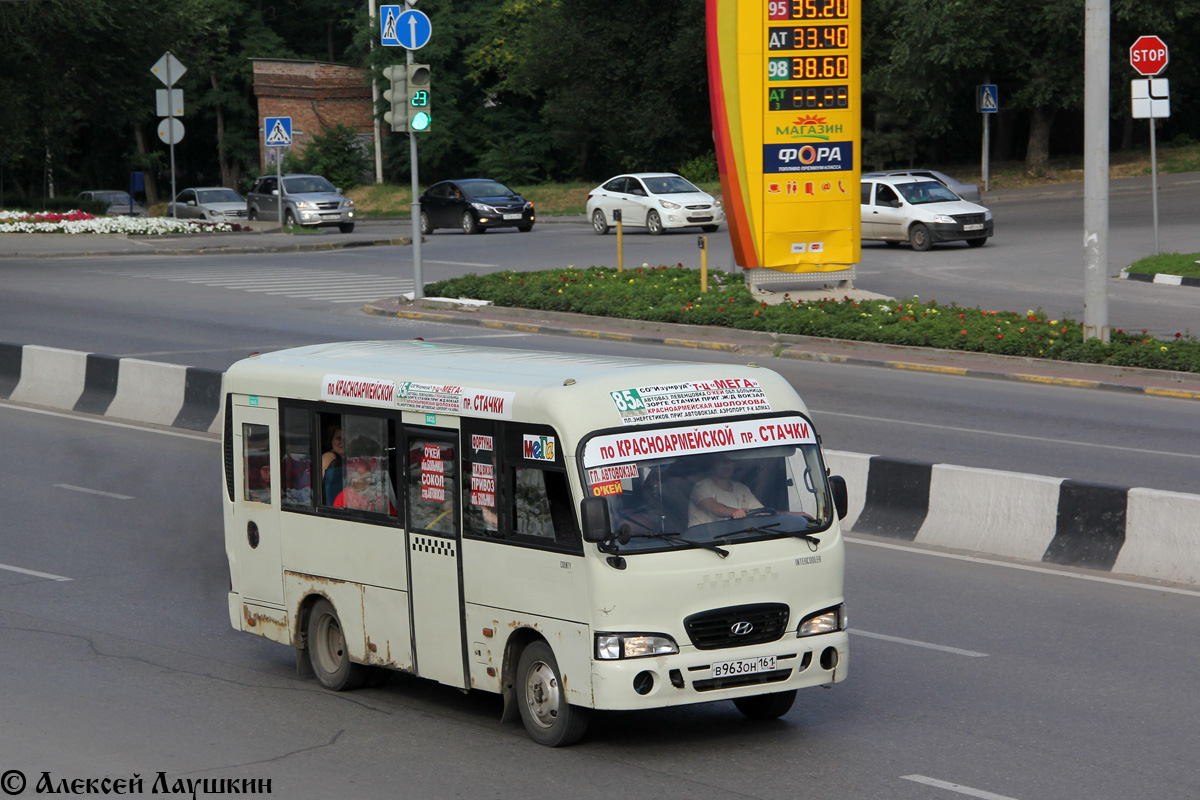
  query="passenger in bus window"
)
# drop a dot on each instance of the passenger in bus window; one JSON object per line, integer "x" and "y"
{"x": 259, "y": 484}
{"x": 365, "y": 490}
{"x": 332, "y": 465}
{"x": 718, "y": 496}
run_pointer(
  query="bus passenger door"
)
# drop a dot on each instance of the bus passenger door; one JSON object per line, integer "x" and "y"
{"x": 255, "y": 539}
{"x": 434, "y": 544}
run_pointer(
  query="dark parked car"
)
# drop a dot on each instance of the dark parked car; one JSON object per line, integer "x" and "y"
{"x": 119, "y": 203}
{"x": 474, "y": 204}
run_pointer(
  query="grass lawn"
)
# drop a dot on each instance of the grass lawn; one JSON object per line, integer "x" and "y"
{"x": 1185, "y": 264}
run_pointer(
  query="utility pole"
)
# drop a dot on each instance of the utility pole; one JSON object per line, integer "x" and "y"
{"x": 1095, "y": 170}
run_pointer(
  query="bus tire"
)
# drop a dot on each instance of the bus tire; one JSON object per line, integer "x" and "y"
{"x": 327, "y": 650}
{"x": 548, "y": 718}
{"x": 766, "y": 706}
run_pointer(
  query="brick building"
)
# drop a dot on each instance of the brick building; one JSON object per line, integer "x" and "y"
{"x": 316, "y": 95}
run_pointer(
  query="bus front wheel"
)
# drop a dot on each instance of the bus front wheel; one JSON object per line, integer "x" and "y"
{"x": 548, "y": 718}
{"x": 327, "y": 650}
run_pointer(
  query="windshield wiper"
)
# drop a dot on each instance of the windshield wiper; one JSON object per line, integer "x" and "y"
{"x": 771, "y": 527}
{"x": 768, "y": 528}
{"x": 675, "y": 537}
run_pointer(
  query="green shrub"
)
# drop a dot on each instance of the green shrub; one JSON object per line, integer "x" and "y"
{"x": 701, "y": 169}
{"x": 672, "y": 294}
{"x": 335, "y": 153}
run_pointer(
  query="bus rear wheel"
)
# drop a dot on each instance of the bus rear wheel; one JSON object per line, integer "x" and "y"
{"x": 327, "y": 650}
{"x": 766, "y": 706}
{"x": 548, "y": 718}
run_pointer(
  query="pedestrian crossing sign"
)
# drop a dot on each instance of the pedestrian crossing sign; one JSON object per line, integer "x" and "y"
{"x": 987, "y": 99}
{"x": 278, "y": 131}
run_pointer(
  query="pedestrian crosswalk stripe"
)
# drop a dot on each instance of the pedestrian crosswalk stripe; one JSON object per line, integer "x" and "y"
{"x": 329, "y": 285}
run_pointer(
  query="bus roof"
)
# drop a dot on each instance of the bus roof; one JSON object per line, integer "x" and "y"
{"x": 541, "y": 386}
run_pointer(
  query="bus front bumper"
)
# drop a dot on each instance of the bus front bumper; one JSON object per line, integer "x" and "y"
{"x": 688, "y": 677}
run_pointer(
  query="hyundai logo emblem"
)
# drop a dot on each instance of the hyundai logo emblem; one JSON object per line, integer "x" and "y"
{"x": 741, "y": 628}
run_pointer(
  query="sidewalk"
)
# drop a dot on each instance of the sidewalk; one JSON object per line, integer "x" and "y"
{"x": 764, "y": 345}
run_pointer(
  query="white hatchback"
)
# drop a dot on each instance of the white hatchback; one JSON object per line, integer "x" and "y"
{"x": 921, "y": 212}
{"x": 657, "y": 201}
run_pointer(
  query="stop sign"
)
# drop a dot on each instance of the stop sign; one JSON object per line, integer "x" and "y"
{"x": 1148, "y": 55}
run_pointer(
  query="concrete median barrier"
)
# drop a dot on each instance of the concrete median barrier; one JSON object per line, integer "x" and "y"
{"x": 1132, "y": 531}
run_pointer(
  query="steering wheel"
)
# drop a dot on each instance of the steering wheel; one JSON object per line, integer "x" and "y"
{"x": 762, "y": 511}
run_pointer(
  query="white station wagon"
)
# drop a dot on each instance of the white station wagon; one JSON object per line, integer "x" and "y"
{"x": 921, "y": 212}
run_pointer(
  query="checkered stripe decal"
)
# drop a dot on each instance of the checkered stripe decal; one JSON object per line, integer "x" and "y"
{"x": 433, "y": 544}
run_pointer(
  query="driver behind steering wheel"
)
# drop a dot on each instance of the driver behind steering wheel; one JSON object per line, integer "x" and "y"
{"x": 718, "y": 496}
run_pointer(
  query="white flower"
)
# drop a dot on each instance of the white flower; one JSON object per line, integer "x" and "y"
{"x": 127, "y": 225}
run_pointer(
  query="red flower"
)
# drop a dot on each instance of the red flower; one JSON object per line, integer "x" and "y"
{"x": 1178, "y": 335}
{"x": 722, "y": 308}
{"x": 964, "y": 333}
{"x": 999, "y": 335}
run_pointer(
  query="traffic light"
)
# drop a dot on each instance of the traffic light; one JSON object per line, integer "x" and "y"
{"x": 397, "y": 97}
{"x": 417, "y": 88}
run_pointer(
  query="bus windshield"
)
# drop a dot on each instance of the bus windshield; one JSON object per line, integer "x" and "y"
{"x": 723, "y": 484}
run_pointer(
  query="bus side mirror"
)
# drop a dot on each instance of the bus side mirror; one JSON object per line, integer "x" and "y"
{"x": 841, "y": 500}
{"x": 593, "y": 511}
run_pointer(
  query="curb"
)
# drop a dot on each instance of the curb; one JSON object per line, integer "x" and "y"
{"x": 1160, "y": 278}
{"x": 1148, "y": 533}
{"x": 1157, "y": 383}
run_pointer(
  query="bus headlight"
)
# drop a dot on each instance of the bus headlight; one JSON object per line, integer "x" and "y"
{"x": 612, "y": 646}
{"x": 828, "y": 621}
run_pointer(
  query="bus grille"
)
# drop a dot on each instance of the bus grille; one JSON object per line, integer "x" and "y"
{"x": 711, "y": 630}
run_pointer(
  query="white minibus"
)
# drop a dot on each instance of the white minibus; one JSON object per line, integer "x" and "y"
{"x": 571, "y": 532}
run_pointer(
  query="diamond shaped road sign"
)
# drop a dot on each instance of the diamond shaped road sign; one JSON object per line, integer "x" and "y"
{"x": 168, "y": 63}
{"x": 1148, "y": 55}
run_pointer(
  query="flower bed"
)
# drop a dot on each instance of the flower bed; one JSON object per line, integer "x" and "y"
{"x": 82, "y": 222}
{"x": 672, "y": 294}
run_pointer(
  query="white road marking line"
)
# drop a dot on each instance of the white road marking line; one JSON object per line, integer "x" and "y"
{"x": 34, "y": 573}
{"x": 92, "y": 491}
{"x": 956, "y": 787}
{"x": 212, "y": 437}
{"x": 915, "y": 643}
{"x": 1001, "y": 434}
{"x": 1029, "y": 568}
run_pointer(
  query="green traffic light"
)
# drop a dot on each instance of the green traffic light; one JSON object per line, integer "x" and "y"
{"x": 420, "y": 121}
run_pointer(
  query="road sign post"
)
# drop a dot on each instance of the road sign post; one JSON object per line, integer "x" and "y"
{"x": 1148, "y": 55}
{"x": 987, "y": 102}
{"x": 168, "y": 70}
{"x": 400, "y": 26}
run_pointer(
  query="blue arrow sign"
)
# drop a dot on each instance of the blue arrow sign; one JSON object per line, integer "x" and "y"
{"x": 277, "y": 131}
{"x": 413, "y": 29}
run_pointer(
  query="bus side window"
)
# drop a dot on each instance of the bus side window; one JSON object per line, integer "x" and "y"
{"x": 296, "y": 458}
{"x": 256, "y": 463}
{"x": 432, "y": 484}
{"x": 542, "y": 505}
{"x": 366, "y": 483}
{"x": 482, "y": 495}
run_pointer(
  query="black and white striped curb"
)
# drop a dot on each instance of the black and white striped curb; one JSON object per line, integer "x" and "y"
{"x": 1143, "y": 532}
{"x": 1149, "y": 533}
{"x": 123, "y": 388}
{"x": 1158, "y": 277}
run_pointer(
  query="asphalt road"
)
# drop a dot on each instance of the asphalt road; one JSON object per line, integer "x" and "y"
{"x": 968, "y": 678}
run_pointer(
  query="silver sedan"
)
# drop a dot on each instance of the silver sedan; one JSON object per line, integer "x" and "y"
{"x": 211, "y": 203}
